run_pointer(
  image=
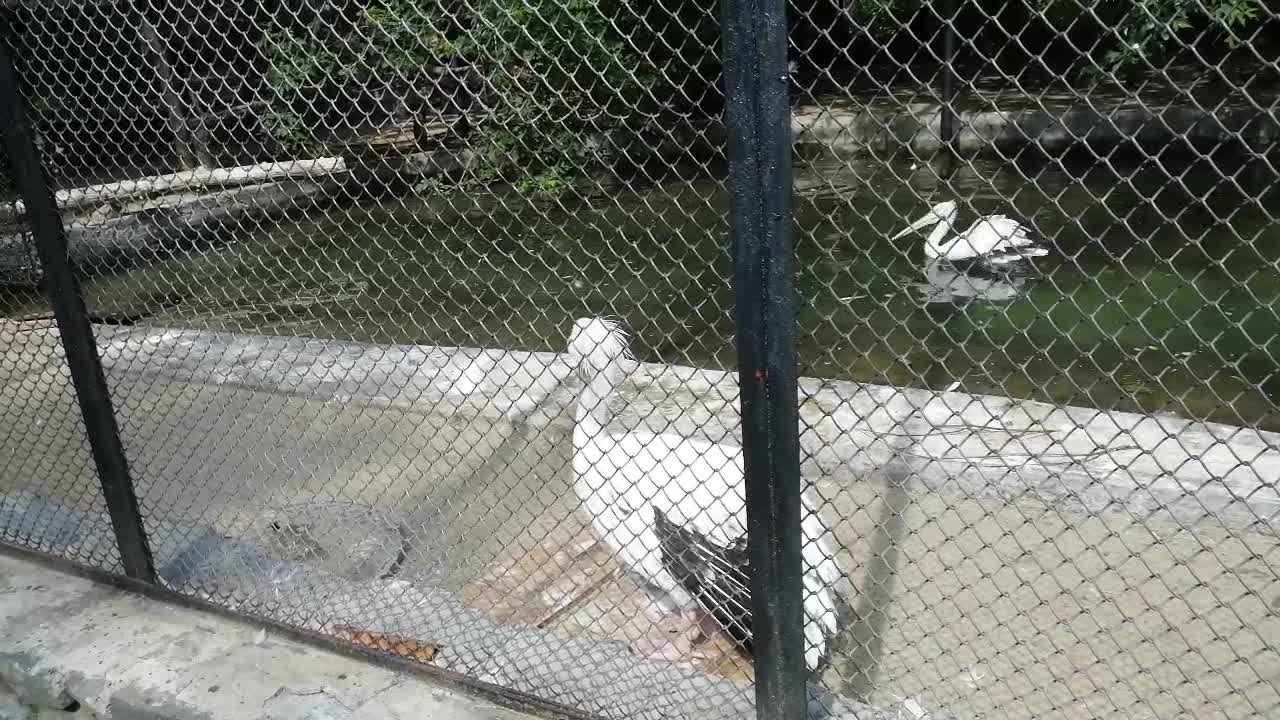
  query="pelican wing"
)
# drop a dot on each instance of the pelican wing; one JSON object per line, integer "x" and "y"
{"x": 996, "y": 233}
{"x": 717, "y": 576}
{"x": 675, "y": 509}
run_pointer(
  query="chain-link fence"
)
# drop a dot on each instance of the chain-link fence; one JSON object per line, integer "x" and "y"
{"x": 417, "y": 324}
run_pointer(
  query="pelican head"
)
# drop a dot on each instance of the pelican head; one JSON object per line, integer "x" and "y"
{"x": 597, "y": 343}
{"x": 942, "y": 212}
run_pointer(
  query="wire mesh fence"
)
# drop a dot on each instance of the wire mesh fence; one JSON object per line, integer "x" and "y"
{"x": 418, "y": 323}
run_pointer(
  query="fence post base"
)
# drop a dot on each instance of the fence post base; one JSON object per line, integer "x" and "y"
{"x": 73, "y": 323}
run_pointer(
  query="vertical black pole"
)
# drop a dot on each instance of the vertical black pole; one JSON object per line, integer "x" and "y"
{"x": 947, "y": 118}
{"x": 948, "y": 71}
{"x": 178, "y": 124}
{"x": 73, "y": 322}
{"x": 758, "y": 124}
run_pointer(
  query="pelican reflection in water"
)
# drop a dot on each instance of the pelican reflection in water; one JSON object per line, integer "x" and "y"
{"x": 947, "y": 282}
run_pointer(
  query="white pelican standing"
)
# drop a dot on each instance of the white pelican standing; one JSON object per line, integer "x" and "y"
{"x": 995, "y": 238}
{"x": 673, "y": 510}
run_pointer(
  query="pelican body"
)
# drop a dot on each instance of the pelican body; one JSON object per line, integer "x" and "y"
{"x": 673, "y": 511}
{"x": 995, "y": 238}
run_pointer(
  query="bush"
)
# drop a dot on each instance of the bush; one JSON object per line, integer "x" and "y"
{"x": 322, "y": 65}
{"x": 1148, "y": 28}
{"x": 1101, "y": 35}
{"x": 565, "y": 72}
{"x": 569, "y": 84}
{"x": 558, "y": 75}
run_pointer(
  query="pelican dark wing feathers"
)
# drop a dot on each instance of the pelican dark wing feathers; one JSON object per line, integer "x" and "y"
{"x": 673, "y": 508}
{"x": 718, "y": 577}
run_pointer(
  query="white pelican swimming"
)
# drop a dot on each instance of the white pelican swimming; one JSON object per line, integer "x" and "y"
{"x": 995, "y": 238}
{"x": 673, "y": 509}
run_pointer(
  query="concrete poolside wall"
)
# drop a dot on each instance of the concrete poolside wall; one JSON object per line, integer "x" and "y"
{"x": 1080, "y": 459}
{"x": 239, "y": 572}
{"x": 1074, "y": 460}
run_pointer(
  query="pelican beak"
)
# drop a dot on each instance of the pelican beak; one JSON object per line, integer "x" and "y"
{"x": 929, "y": 219}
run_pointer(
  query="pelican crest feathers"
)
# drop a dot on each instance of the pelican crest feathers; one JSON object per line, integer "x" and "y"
{"x": 600, "y": 341}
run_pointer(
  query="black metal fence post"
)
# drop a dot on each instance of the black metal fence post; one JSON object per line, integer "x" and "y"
{"x": 73, "y": 322}
{"x": 758, "y": 124}
{"x": 947, "y": 119}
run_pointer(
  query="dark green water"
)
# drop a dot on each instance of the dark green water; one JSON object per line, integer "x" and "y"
{"x": 1147, "y": 302}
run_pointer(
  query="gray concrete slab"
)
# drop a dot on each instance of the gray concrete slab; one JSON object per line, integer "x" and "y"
{"x": 43, "y": 446}
{"x": 1023, "y": 560}
{"x": 977, "y": 446}
{"x": 74, "y": 649}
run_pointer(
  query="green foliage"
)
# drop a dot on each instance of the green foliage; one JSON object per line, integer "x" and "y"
{"x": 339, "y": 51}
{"x": 556, "y": 72}
{"x": 1147, "y": 29}
{"x": 569, "y": 83}
{"x": 550, "y": 63}
{"x": 882, "y": 18}
{"x": 547, "y": 184}
{"x": 567, "y": 77}
{"x": 289, "y": 130}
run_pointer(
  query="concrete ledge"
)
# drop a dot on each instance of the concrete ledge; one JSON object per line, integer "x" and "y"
{"x": 67, "y": 640}
{"x": 76, "y": 650}
{"x": 1007, "y": 123}
{"x": 972, "y": 446}
{"x": 1075, "y": 459}
{"x": 1053, "y": 126}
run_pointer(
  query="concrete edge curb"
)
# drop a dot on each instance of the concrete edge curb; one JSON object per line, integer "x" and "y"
{"x": 599, "y": 677}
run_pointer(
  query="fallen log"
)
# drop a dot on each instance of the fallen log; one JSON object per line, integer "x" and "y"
{"x": 163, "y": 225}
{"x": 200, "y": 178}
{"x": 152, "y": 227}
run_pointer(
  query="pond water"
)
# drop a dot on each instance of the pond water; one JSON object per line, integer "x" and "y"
{"x": 1147, "y": 301}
